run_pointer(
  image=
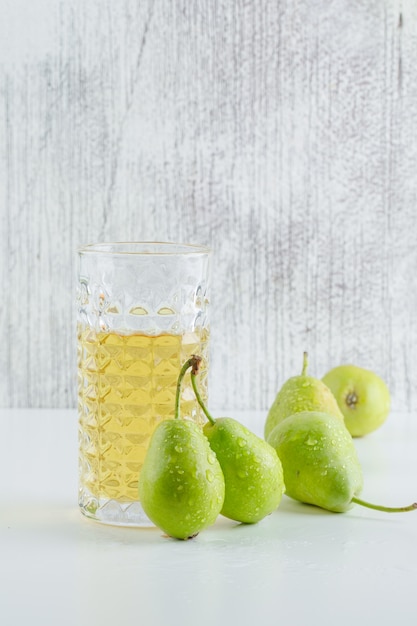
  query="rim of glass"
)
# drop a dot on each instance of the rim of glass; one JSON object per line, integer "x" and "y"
{"x": 137, "y": 248}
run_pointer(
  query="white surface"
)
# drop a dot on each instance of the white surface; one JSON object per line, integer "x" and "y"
{"x": 301, "y": 565}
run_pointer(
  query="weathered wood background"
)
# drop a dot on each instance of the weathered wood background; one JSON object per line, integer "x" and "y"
{"x": 283, "y": 134}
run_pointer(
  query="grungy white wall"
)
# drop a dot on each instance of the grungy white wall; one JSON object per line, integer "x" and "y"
{"x": 283, "y": 134}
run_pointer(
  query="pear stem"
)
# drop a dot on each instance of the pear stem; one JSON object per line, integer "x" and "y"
{"x": 385, "y": 509}
{"x": 194, "y": 373}
{"x": 185, "y": 367}
{"x": 305, "y": 364}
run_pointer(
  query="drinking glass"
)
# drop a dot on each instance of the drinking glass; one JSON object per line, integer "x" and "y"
{"x": 142, "y": 312}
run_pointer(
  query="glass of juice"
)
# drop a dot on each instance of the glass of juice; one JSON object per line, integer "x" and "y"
{"x": 142, "y": 312}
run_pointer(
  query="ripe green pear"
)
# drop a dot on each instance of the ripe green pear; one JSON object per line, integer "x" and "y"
{"x": 320, "y": 463}
{"x": 181, "y": 484}
{"x": 319, "y": 459}
{"x": 362, "y": 396}
{"x": 301, "y": 393}
{"x": 252, "y": 471}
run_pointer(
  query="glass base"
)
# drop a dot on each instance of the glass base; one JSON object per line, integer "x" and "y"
{"x": 114, "y": 512}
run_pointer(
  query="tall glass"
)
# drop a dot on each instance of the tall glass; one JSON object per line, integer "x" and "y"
{"x": 142, "y": 311}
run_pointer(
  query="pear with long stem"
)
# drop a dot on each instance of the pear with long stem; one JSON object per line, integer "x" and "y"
{"x": 181, "y": 484}
{"x": 252, "y": 470}
{"x": 320, "y": 463}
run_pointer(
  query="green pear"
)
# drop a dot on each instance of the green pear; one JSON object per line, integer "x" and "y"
{"x": 253, "y": 476}
{"x": 181, "y": 484}
{"x": 252, "y": 471}
{"x": 362, "y": 396}
{"x": 301, "y": 393}
{"x": 320, "y": 463}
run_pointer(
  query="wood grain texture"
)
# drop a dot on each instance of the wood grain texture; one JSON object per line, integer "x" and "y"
{"x": 282, "y": 134}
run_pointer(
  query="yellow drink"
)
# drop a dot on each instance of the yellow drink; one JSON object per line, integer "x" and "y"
{"x": 126, "y": 385}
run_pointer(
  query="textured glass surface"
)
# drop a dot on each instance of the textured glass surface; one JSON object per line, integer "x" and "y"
{"x": 140, "y": 316}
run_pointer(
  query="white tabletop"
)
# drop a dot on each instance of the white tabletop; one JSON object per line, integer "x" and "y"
{"x": 301, "y": 565}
